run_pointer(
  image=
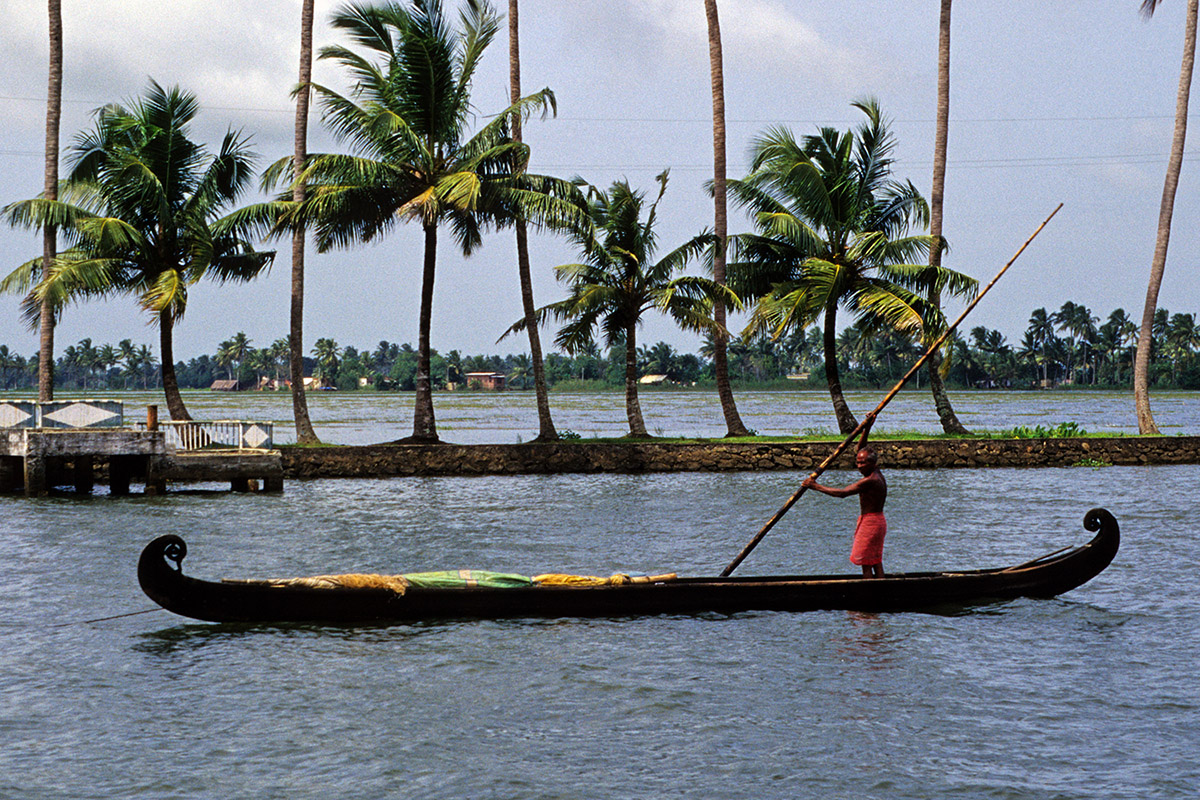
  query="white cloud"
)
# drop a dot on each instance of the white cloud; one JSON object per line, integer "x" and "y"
{"x": 759, "y": 35}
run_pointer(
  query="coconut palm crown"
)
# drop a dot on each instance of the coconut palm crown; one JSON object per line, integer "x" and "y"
{"x": 833, "y": 231}
{"x": 146, "y": 211}
{"x": 406, "y": 119}
{"x": 619, "y": 281}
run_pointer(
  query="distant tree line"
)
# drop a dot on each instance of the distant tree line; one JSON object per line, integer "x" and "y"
{"x": 1068, "y": 347}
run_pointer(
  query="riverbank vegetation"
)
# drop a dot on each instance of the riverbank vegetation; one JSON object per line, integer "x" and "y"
{"x": 1061, "y": 349}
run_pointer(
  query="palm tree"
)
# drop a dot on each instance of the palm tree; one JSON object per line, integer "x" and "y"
{"x": 1076, "y": 321}
{"x": 304, "y": 429}
{"x": 7, "y": 361}
{"x": 281, "y": 355}
{"x": 1041, "y": 335}
{"x": 1180, "y": 341}
{"x": 108, "y": 358}
{"x": 126, "y": 353}
{"x": 46, "y": 310}
{"x": 546, "y": 430}
{"x": 406, "y": 119}
{"x": 520, "y": 371}
{"x": 1082, "y": 325}
{"x": 619, "y": 282}
{"x": 327, "y": 353}
{"x": 42, "y": 311}
{"x": 232, "y": 352}
{"x": 144, "y": 361}
{"x": 937, "y": 193}
{"x": 1112, "y": 341}
{"x": 1141, "y": 370}
{"x": 259, "y": 361}
{"x": 224, "y": 357}
{"x": 86, "y": 359}
{"x": 803, "y": 346}
{"x": 733, "y": 421}
{"x": 146, "y": 217}
{"x": 661, "y": 359}
{"x": 832, "y": 232}
{"x": 69, "y": 360}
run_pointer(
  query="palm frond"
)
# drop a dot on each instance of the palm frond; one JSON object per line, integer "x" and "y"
{"x": 166, "y": 294}
{"x": 883, "y": 302}
{"x": 22, "y": 278}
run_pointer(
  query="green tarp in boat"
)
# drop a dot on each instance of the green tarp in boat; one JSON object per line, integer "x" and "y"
{"x": 459, "y": 578}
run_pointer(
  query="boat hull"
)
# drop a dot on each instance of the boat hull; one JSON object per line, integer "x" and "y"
{"x": 161, "y": 577}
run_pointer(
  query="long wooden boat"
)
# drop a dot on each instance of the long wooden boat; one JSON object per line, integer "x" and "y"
{"x": 161, "y": 575}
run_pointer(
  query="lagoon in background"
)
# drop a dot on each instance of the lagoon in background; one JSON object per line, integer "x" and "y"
{"x": 509, "y": 417}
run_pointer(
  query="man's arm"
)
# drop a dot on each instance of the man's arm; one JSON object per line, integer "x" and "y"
{"x": 835, "y": 491}
{"x": 862, "y": 441}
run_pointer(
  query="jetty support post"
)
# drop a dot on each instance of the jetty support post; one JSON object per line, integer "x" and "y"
{"x": 120, "y": 474}
{"x": 156, "y": 481}
{"x": 35, "y": 467}
{"x": 10, "y": 473}
{"x": 84, "y": 474}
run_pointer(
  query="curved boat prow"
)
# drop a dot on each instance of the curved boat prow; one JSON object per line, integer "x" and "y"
{"x": 1107, "y": 540}
{"x": 156, "y": 577}
{"x": 1058, "y": 573}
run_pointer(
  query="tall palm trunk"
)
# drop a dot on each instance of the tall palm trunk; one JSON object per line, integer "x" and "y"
{"x": 941, "y": 400}
{"x": 304, "y": 429}
{"x": 633, "y": 408}
{"x": 733, "y": 421}
{"x": 166, "y": 331}
{"x": 546, "y": 431}
{"x": 424, "y": 428}
{"x": 845, "y": 418}
{"x": 50, "y": 191}
{"x": 1141, "y": 369}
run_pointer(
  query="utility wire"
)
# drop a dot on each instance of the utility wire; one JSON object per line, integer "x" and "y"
{"x": 679, "y": 120}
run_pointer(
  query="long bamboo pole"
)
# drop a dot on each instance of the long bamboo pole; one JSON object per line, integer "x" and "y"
{"x": 870, "y": 418}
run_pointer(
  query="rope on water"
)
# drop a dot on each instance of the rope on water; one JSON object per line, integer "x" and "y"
{"x": 106, "y": 619}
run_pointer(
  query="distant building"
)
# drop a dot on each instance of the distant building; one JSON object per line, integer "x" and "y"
{"x": 225, "y": 386}
{"x": 652, "y": 380}
{"x": 491, "y": 381}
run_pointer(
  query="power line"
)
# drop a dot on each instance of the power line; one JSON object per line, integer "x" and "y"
{"x": 697, "y": 120}
{"x": 967, "y": 163}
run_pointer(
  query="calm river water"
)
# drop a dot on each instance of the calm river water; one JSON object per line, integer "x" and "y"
{"x": 1091, "y": 695}
{"x": 506, "y": 417}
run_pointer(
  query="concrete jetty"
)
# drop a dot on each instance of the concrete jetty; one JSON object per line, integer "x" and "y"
{"x": 75, "y": 442}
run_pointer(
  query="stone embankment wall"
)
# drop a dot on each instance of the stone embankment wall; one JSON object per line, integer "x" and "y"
{"x": 387, "y": 460}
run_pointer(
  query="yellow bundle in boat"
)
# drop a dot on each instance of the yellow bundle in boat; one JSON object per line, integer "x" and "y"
{"x": 351, "y": 580}
{"x": 449, "y": 579}
{"x": 560, "y": 579}
{"x": 444, "y": 579}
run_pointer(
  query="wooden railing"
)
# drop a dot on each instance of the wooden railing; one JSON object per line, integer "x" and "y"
{"x": 233, "y": 434}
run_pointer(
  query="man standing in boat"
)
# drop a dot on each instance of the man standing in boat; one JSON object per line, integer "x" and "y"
{"x": 872, "y": 493}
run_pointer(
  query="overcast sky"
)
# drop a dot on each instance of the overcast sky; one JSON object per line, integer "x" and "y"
{"x": 1066, "y": 102}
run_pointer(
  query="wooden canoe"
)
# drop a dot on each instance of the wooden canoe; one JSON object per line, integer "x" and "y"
{"x": 161, "y": 576}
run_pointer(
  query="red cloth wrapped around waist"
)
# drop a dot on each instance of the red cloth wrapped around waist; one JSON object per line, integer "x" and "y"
{"x": 868, "y": 539}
